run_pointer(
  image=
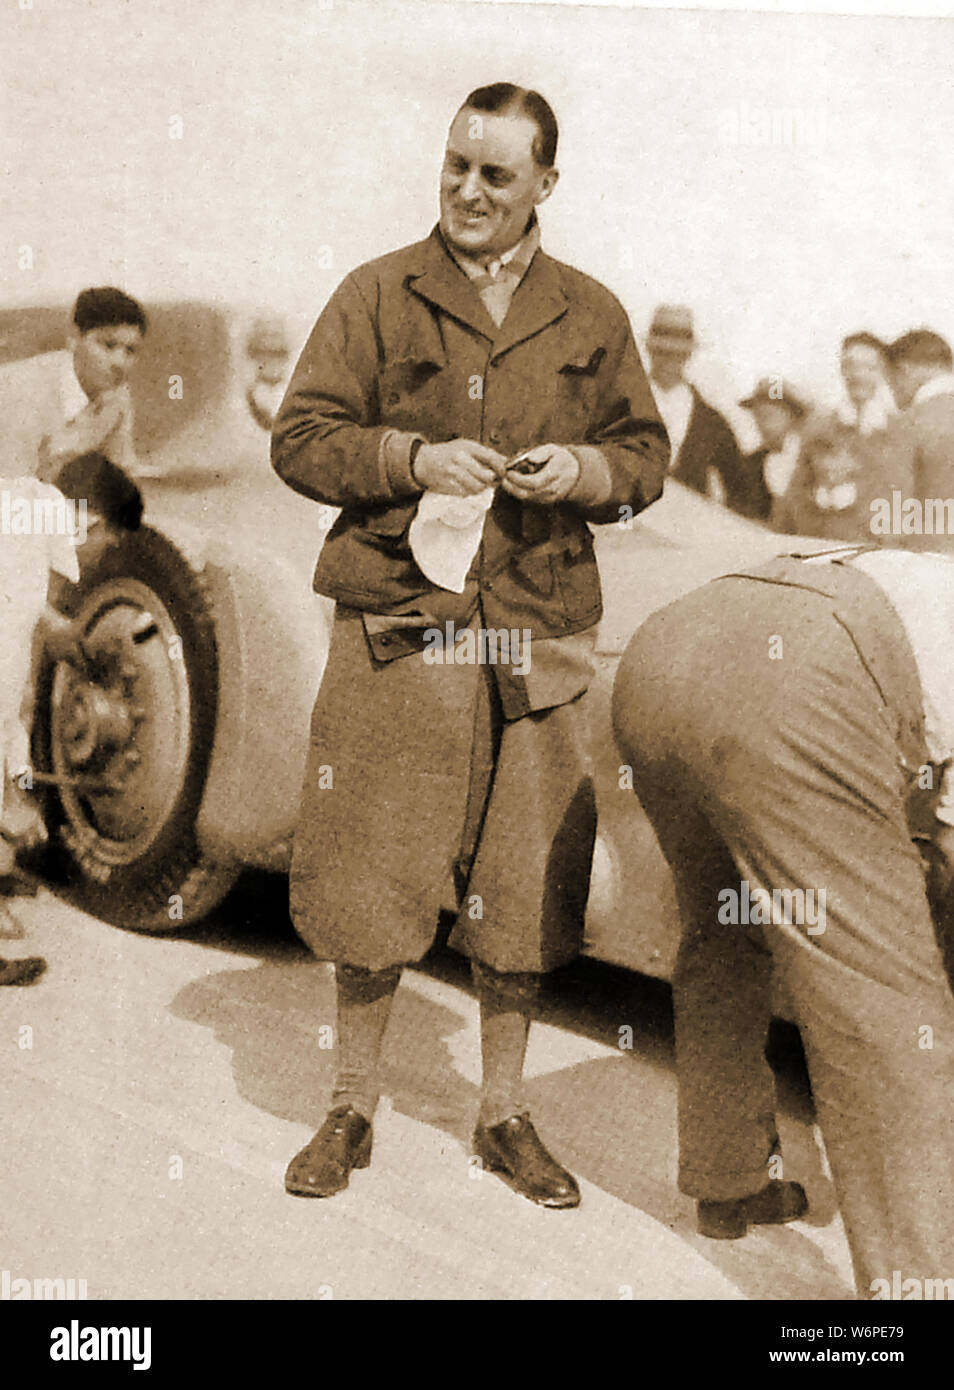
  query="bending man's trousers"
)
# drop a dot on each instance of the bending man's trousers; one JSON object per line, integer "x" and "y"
{"x": 766, "y": 754}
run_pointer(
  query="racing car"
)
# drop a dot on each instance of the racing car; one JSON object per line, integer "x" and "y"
{"x": 175, "y": 759}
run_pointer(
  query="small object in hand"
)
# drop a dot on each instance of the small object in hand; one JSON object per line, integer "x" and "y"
{"x": 522, "y": 463}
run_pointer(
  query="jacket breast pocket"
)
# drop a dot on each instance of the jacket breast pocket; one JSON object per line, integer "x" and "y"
{"x": 579, "y": 387}
{"x": 407, "y": 386}
{"x": 583, "y": 364}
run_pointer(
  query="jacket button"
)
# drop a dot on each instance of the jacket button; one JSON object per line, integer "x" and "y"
{"x": 393, "y": 398}
{"x": 494, "y": 436}
{"x": 385, "y": 640}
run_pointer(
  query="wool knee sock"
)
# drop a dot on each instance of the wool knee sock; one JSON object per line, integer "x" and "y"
{"x": 506, "y": 1003}
{"x": 364, "y": 1007}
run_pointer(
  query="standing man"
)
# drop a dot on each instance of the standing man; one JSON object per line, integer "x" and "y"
{"x": 461, "y": 783}
{"x": 705, "y": 453}
{"x": 919, "y": 444}
{"x": 789, "y": 730}
{"x": 864, "y": 372}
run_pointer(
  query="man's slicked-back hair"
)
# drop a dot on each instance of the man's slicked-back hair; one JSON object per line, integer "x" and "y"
{"x": 505, "y": 99}
{"x": 107, "y": 307}
{"x": 921, "y": 348}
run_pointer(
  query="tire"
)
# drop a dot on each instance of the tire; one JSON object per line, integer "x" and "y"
{"x": 137, "y": 732}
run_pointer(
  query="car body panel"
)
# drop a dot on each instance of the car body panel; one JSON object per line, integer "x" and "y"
{"x": 680, "y": 543}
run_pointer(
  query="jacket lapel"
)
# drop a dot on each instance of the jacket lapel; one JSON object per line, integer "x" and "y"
{"x": 443, "y": 283}
{"x": 537, "y": 302}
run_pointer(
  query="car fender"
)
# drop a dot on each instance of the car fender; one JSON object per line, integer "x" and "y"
{"x": 272, "y": 635}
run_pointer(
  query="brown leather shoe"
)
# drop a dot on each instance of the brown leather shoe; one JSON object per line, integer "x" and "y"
{"x": 773, "y": 1206}
{"x": 21, "y": 972}
{"x": 324, "y": 1165}
{"x": 514, "y": 1149}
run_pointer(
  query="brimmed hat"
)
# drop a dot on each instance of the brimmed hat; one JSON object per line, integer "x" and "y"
{"x": 671, "y": 329}
{"x": 772, "y": 388}
{"x": 267, "y": 337}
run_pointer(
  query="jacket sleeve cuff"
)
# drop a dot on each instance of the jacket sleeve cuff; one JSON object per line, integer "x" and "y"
{"x": 394, "y": 458}
{"x": 595, "y": 484}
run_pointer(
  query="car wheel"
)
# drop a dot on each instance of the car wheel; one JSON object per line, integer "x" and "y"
{"x": 128, "y": 741}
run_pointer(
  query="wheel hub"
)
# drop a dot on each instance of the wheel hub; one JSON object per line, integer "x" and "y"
{"x": 121, "y": 729}
{"x": 95, "y": 721}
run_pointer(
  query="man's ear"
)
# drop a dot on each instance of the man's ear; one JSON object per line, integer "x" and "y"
{"x": 547, "y": 184}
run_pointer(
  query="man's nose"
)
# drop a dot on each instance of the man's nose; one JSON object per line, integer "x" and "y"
{"x": 470, "y": 189}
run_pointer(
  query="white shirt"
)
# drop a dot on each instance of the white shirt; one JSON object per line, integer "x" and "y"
{"x": 779, "y": 466}
{"x": 675, "y": 407}
{"x": 73, "y": 398}
{"x": 872, "y": 415}
{"x": 940, "y": 385}
{"x": 475, "y": 268}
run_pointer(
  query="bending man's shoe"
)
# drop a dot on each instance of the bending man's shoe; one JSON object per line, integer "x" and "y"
{"x": 324, "y": 1165}
{"x": 514, "y": 1148}
{"x": 21, "y": 972}
{"x": 773, "y": 1206}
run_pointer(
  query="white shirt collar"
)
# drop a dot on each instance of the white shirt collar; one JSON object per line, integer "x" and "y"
{"x": 873, "y": 415}
{"x": 527, "y": 245}
{"x": 940, "y": 385}
{"x": 72, "y": 396}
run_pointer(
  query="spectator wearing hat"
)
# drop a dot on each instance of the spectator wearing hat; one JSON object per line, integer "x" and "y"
{"x": 269, "y": 351}
{"x": 705, "y": 454}
{"x": 768, "y": 472}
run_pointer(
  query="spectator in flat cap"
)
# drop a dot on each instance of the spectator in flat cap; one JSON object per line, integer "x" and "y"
{"x": 769, "y": 469}
{"x": 705, "y": 453}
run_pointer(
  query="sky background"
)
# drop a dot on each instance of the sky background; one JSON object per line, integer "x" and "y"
{"x": 312, "y": 136}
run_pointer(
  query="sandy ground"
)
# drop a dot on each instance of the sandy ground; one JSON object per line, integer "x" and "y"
{"x": 154, "y": 1089}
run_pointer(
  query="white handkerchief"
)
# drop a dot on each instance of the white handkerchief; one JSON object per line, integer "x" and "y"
{"x": 445, "y": 535}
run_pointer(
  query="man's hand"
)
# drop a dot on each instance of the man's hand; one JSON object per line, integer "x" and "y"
{"x": 86, "y": 434}
{"x": 62, "y": 638}
{"x": 461, "y": 467}
{"x": 552, "y": 483}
